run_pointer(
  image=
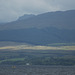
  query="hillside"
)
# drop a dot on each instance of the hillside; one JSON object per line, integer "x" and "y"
{"x": 59, "y": 19}
{"x": 43, "y": 29}
{"x": 26, "y": 16}
{"x": 38, "y": 36}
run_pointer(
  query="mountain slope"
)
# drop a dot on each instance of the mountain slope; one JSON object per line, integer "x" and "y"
{"x": 38, "y": 36}
{"x": 26, "y": 16}
{"x": 61, "y": 20}
{"x": 43, "y": 29}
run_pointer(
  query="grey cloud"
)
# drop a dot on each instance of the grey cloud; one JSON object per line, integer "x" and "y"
{"x": 11, "y": 9}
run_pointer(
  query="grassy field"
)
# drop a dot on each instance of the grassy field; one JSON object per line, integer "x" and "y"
{"x": 20, "y": 47}
{"x": 21, "y": 53}
{"x": 37, "y": 57}
{"x": 12, "y": 59}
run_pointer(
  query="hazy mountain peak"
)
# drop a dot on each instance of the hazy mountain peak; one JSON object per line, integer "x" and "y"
{"x": 58, "y": 19}
{"x": 43, "y": 29}
{"x": 26, "y": 16}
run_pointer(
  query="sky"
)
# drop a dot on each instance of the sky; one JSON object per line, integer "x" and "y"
{"x": 10, "y": 10}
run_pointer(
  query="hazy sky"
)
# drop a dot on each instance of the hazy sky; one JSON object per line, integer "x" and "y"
{"x": 11, "y": 9}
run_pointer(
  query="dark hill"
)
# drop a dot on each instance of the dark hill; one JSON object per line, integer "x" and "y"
{"x": 59, "y": 19}
{"x": 38, "y": 36}
{"x": 51, "y": 27}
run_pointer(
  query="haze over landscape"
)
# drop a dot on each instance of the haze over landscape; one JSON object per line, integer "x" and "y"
{"x": 37, "y": 37}
{"x": 15, "y": 8}
{"x": 42, "y": 29}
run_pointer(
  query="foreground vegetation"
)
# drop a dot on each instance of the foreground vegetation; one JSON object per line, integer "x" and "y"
{"x": 12, "y": 53}
{"x": 37, "y": 57}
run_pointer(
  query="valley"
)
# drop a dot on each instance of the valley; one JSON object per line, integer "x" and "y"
{"x": 37, "y": 37}
{"x": 15, "y": 53}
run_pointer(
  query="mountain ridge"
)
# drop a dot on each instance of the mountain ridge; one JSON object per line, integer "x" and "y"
{"x": 59, "y": 19}
{"x": 26, "y": 16}
{"x": 43, "y": 29}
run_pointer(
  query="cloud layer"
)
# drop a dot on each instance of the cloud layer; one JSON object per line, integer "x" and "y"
{"x": 11, "y": 9}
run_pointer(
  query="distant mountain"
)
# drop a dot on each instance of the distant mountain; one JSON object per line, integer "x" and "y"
{"x": 59, "y": 19}
{"x": 26, "y": 16}
{"x": 51, "y": 27}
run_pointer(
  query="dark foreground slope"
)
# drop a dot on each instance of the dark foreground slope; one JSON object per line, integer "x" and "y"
{"x": 37, "y": 70}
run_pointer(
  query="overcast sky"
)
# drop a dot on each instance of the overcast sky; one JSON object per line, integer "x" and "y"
{"x": 11, "y": 9}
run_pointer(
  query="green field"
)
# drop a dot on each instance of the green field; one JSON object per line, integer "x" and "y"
{"x": 12, "y": 60}
{"x": 23, "y": 46}
{"x": 37, "y": 57}
{"x": 12, "y": 53}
